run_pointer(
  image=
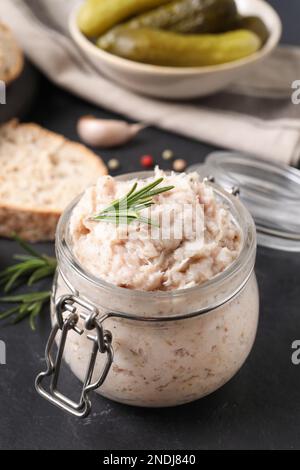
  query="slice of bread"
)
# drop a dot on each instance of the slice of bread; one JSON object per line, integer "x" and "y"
{"x": 11, "y": 56}
{"x": 40, "y": 173}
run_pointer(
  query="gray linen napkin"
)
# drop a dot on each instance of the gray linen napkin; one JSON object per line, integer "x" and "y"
{"x": 255, "y": 116}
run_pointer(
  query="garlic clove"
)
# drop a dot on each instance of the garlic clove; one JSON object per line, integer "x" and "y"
{"x": 106, "y": 132}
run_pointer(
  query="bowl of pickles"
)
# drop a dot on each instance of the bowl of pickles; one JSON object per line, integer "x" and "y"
{"x": 175, "y": 49}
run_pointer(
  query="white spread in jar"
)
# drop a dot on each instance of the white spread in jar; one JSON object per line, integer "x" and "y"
{"x": 164, "y": 363}
{"x": 138, "y": 258}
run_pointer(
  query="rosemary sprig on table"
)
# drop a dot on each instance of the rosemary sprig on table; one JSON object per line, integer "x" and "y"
{"x": 31, "y": 268}
{"x": 127, "y": 209}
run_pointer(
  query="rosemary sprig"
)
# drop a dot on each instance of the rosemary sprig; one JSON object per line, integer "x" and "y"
{"x": 28, "y": 305}
{"x": 127, "y": 209}
{"x": 31, "y": 268}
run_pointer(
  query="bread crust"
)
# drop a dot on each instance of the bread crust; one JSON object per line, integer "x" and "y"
{"x": 10, "y": 74}
{"x": 39, "y": 224}
{"x": 31, "y": 226}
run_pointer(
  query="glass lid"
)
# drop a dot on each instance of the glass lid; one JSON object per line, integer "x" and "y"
{"x": 270, "y": 191}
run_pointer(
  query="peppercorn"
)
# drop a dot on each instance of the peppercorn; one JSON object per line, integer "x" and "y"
{"x": 147, "y": 161}
{"x": 113, "y": 164}
{"x": 179, "y": 164}
{"x": 167, "y": 154}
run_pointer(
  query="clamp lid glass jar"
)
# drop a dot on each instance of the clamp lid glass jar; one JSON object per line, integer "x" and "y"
{"x": 169, "y": 347}
{"x": 270, "y": 191}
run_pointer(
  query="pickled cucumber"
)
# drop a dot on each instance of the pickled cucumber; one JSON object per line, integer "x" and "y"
{"x": 189, "y": 16}
{"x": 255, "y": 24}
{"x": 185, "y": 16}
{"x": 97, "y": 16}
{"x": 159, "y": 47}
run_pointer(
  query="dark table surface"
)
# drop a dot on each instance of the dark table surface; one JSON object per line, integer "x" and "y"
{"x": 259, "y": 408}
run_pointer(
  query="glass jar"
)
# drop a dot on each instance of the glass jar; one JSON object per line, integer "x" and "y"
{"x": 152, "y": 349}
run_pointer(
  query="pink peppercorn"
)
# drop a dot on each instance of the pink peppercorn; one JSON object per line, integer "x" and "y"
{"x": 147, "y": 161}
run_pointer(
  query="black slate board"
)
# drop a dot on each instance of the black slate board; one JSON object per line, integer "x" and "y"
{"x": 259, "y": 408}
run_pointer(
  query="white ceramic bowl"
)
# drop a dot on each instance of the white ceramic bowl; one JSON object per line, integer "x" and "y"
{"x": 175, "y": 82}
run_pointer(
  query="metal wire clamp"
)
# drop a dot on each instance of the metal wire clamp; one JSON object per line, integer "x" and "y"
{"x": 67, "y": 318}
